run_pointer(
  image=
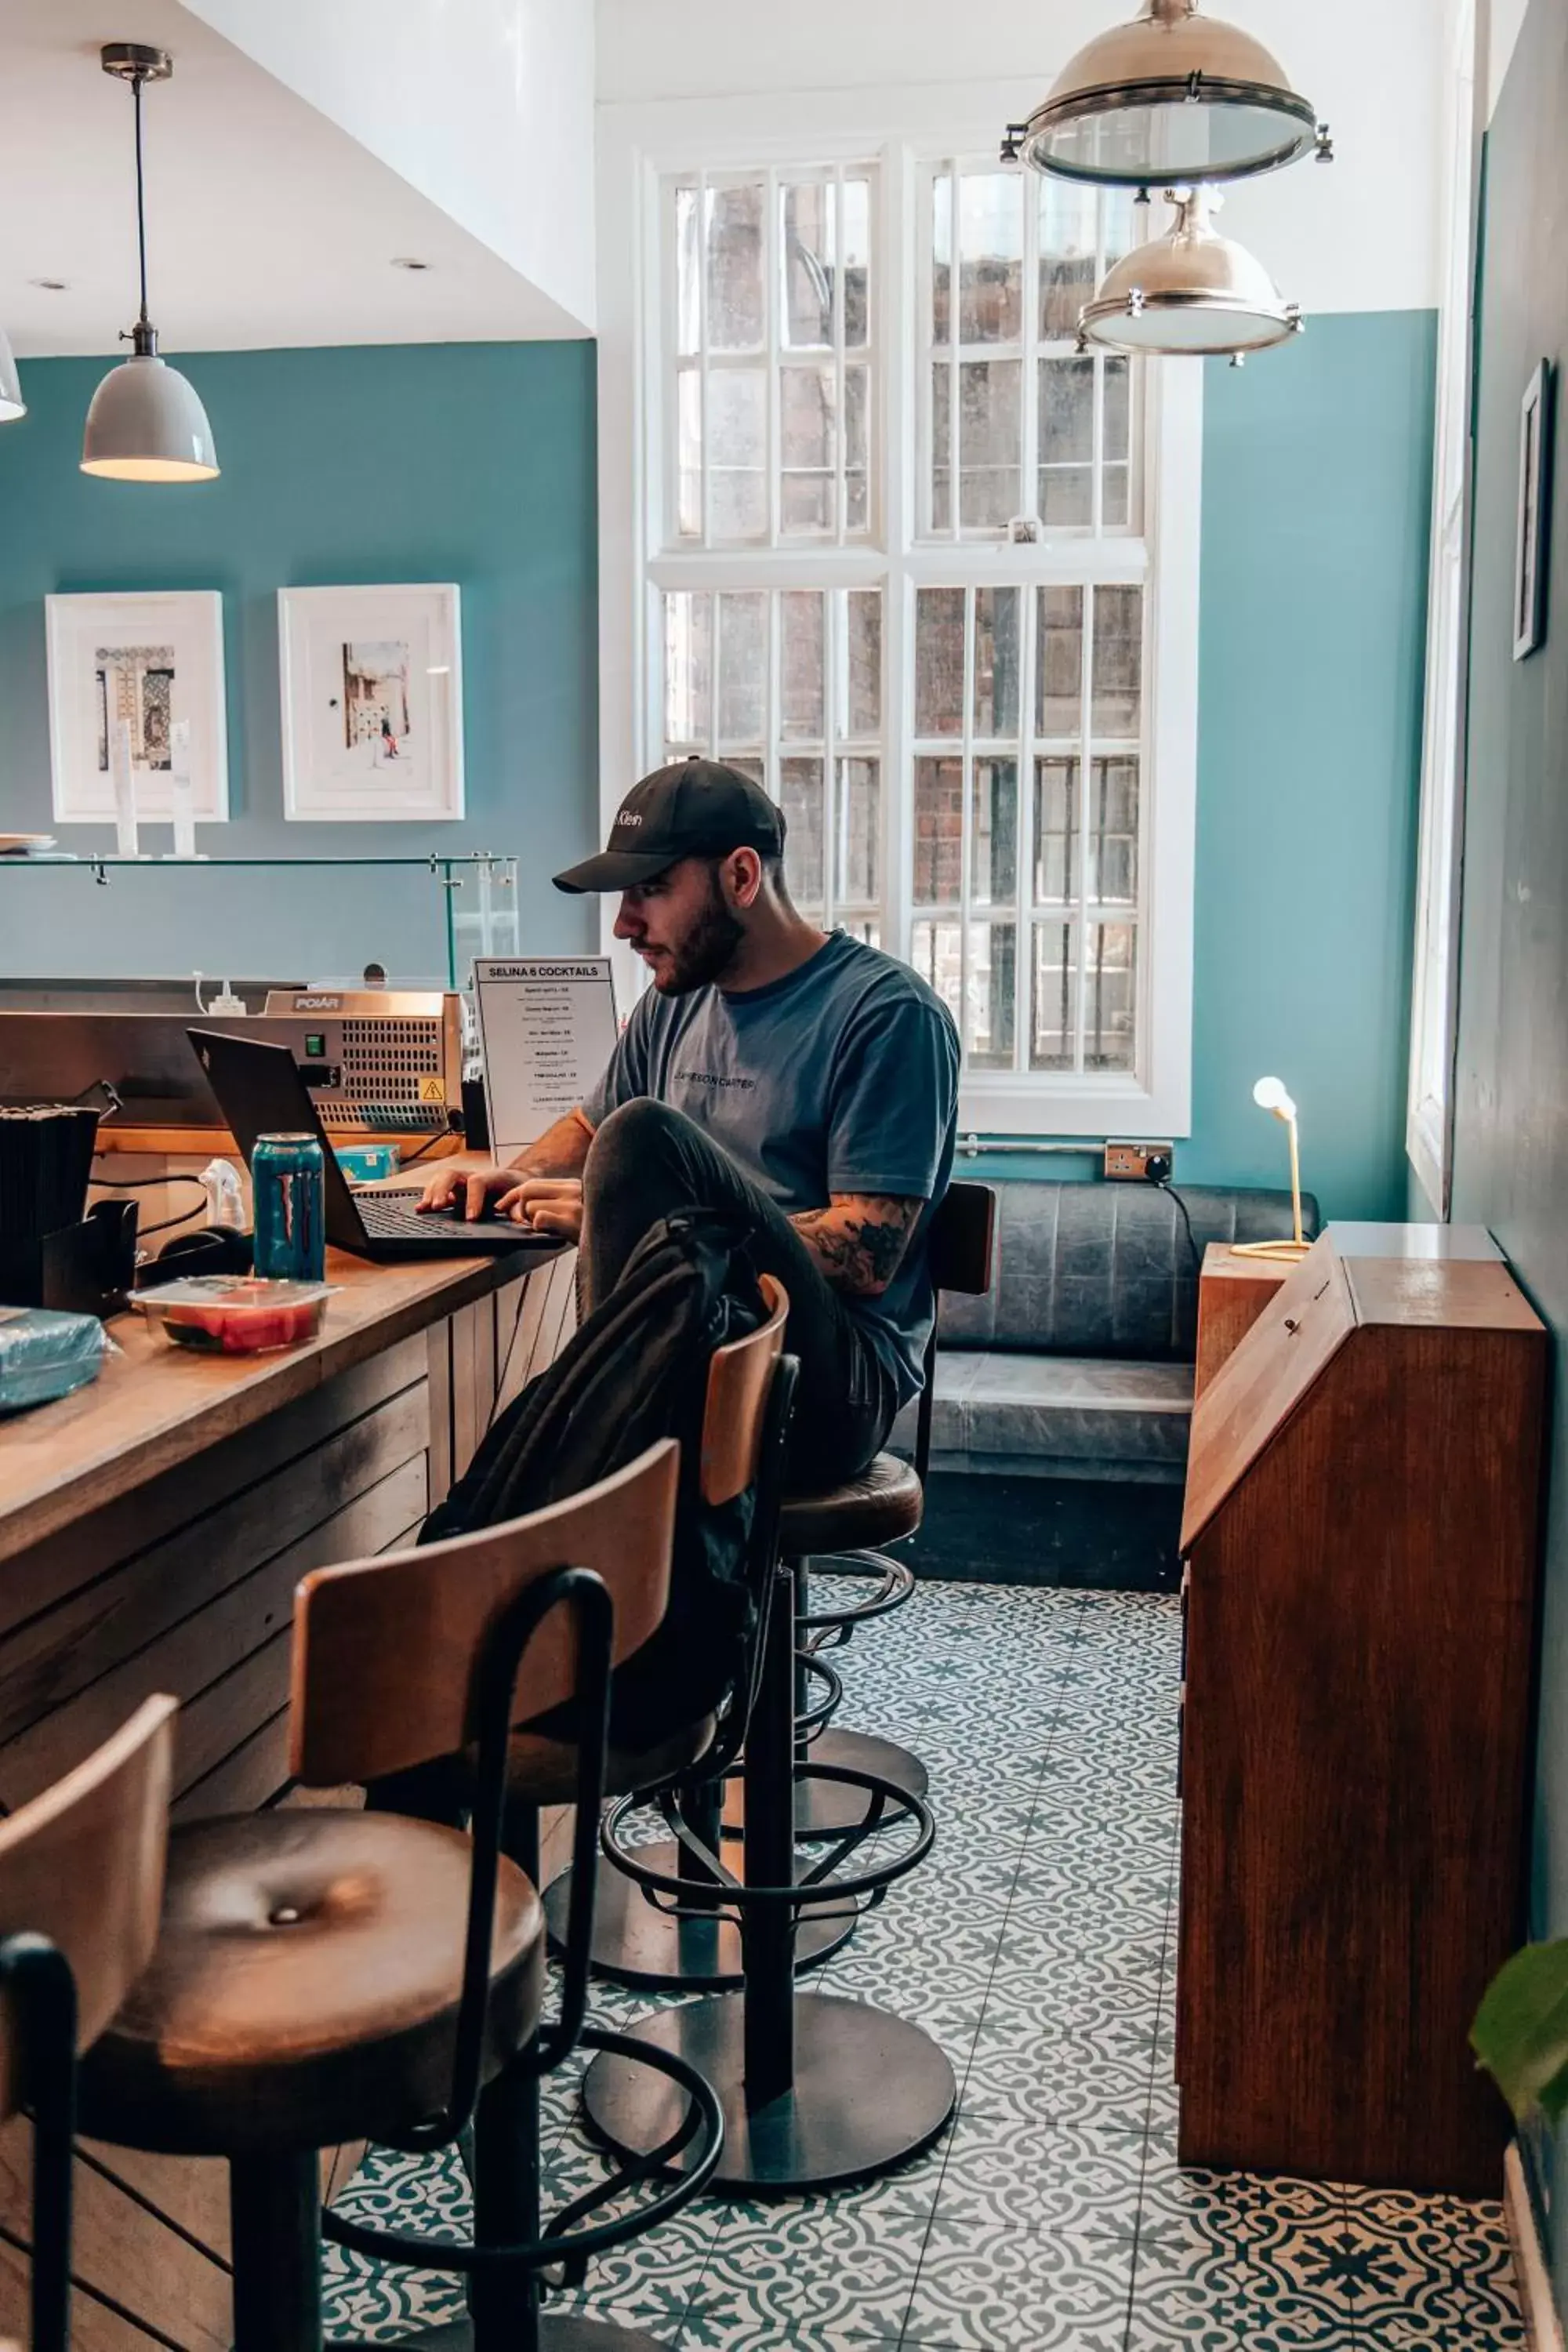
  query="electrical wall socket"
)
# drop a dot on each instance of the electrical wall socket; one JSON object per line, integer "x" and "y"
{"x": 1128, "y": 1163}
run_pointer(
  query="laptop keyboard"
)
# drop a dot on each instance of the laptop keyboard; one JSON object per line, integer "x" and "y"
{"x": 394, "y": 1216}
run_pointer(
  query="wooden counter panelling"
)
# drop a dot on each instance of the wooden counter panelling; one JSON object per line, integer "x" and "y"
{"x": 153, "y": 1530}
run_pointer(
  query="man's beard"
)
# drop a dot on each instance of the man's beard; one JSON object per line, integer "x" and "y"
{"x": 708, "y": 951}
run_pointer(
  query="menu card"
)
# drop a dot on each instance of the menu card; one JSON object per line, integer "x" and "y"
{"x": 547, "y": 1026}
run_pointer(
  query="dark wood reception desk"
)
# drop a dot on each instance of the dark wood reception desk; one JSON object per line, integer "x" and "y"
{"x": 153, "y": 1528}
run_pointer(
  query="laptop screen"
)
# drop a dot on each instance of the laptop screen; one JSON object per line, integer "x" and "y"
{"x": 260, "y": 1092}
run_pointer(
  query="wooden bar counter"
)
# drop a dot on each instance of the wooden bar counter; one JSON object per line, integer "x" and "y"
{"x": 153, "y": 1528}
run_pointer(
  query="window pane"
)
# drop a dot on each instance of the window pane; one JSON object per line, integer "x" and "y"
{"x": 991, "y": 257}
{"x": 688, "y": 263}
{"x": 856, "y": 454}
{"x": 806, "y": 252}
{"x": 859, "y": 826}
{"x": 1113, "y": 833}
{"x": 735, "y": 269}
{"x": 801, "y": 797}
{"x": 1058, "y": 662}
{"x": 1056, "y": 830}
{"x": 743, "y": 670}
{"x": 996, "y": 651}
{"x": 1053, "y": 999}
{"x": 688, "y": 668}
{"x": 857, "y": 243}
{"x": 688, "y": 453}
{"x": 989, "y": 426}
{"x": 940, "y": 447}
{"x": 939, "y": 662}
{"x": 864, "y": 926}
{"x": 1118, "y": 697}
{"x": 938, "y": 832}
{"x": 1069, "y": 223}
{"x": 992, "y": 960}
{"x": 936, "y": 951}
{"x": 801, "y": 663}
{"x": 737, "y": 486}
{"x": 865, "y": 615}
{"x": 1067, "y": 443}
{"x": 806, "y": 425}
{"x": 941, "y": 258}
{"x": 1116, "y": 491}
{"x": 994, "y": 876}
{"x": 1110, "y": 983}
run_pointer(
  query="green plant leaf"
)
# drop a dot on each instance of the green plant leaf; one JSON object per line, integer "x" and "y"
{"x": 1521, "y": 2032}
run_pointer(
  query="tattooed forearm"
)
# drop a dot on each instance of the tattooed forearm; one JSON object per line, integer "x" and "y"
{"x": 859, "y": 1239}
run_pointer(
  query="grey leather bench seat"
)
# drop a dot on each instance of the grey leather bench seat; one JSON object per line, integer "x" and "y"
{"x": 1057, "y": 1416}
{"x": 1077, "y": 1363}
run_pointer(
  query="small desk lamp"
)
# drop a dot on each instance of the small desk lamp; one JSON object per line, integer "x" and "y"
{"x": 1271, "y": 1094}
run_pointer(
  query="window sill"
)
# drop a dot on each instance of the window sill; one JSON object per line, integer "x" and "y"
{"x": 1016, "y": 1104}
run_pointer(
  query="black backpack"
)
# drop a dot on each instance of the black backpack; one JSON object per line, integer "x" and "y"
{"x": 635, "y": 1371}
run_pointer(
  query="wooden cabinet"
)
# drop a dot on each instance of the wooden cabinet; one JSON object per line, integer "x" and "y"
{"x": 1360, "y": 1532}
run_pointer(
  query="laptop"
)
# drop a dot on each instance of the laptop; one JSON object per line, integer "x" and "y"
{"x": 260, "y": 1091}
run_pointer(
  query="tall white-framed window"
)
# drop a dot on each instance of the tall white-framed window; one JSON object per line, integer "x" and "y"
{"x": 1434, "y": 1015}
{"x": 931, "y": 577}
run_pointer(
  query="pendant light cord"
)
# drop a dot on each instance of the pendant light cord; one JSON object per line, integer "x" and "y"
{"x": 136, "y": 88}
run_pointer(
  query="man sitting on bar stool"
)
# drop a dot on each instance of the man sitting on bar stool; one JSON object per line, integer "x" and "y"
{"x": 797, "y": 1076}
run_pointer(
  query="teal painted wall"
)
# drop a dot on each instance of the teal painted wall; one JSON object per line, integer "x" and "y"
{"x": 469, "y": 462}
{"x": 1317, "y": 494}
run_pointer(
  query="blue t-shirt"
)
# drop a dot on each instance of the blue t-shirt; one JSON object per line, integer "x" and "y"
{"x": 840, "y": 1078}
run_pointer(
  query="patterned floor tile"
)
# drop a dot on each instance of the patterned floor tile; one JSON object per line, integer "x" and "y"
{"x": 1018, "y": 2291}
{"x": 838, "y": 2264}
{"x": 1000, "y": 2174}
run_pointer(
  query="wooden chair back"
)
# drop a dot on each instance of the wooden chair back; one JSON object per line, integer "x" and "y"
{"x": 82, "y": 1863}
{"x": 386, "y": 1650}
{"x": 740, "y": 1378}
{"x": 963, "y": 1239}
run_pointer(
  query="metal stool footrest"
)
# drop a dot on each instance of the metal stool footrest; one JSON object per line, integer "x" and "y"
{"x": 887, "y": 1806}
{"x": 895, "y": 1584}
{"x": 702, "y": 2120}
{"x": 810, "y": 1720}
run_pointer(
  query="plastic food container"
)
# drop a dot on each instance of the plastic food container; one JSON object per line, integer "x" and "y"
{"x": 45, "y": 1355}
{"x": 228, "y": 1316}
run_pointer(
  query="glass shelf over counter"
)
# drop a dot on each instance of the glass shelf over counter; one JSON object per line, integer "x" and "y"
{"x": 422, "y": 919}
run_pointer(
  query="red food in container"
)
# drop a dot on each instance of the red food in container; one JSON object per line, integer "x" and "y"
{"x": 224, "y": 1315}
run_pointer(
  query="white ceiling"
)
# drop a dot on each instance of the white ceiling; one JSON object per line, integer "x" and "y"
{"x": 268, "y": 226}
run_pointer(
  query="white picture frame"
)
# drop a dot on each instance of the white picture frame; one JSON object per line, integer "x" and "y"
{"x": 170, "y": 667}
{"x": 372, "y": 684}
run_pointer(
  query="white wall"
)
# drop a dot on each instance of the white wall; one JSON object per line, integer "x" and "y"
{"x": 1507, "y": 22}
{"x": 485, "y": 105}
{"x": 1361, "y": 235}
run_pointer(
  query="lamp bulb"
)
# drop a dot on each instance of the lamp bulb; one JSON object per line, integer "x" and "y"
{"x": 1271, "y": 1093}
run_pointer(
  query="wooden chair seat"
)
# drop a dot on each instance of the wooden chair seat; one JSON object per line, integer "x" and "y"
{"x": 304, "y": 1988}
{"x": 879, "y": 1507}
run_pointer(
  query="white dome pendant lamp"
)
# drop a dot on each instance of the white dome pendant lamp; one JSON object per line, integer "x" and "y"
{"x": 146, "y": 422}
{"x": 1190, "y": 294}
{"x": 1175, "y": 95}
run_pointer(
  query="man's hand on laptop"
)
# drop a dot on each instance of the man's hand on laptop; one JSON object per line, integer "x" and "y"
{"x": 545, "y": 1204}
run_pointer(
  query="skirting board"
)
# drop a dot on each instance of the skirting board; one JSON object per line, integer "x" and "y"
{"x": 1542, "y": 2328}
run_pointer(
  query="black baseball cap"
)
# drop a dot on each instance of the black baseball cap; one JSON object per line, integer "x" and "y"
{"x": 697, "y": 808}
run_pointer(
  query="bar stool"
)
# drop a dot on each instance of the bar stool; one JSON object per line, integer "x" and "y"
{"x": 326, "y": 1975}
{"x": 81, "y": 1876}
{"x": 692, "y": 1939}
{"x": 817, "y": 2091}
{"x": 842, "y": 1535}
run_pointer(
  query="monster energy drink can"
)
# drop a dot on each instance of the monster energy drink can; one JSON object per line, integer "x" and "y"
{"x": 288, "y": 1188}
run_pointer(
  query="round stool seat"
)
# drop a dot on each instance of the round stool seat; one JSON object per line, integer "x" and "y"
{"x": 304, "y": 1988}
{"x": 883, "y": 1504}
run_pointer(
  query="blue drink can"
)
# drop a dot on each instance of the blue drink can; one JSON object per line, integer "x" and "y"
{"x": 289, "y": 1191}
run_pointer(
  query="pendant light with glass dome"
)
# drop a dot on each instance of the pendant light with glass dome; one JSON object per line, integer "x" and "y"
{"x": 1174, "y": 97}
{"x": 146, "y": 422}
{"x": 1190, "y": 293}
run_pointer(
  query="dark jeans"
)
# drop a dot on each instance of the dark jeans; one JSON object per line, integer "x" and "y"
{"x": 645, "y": 1162}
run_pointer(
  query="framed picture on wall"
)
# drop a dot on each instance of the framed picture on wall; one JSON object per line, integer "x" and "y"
{"x": 143, "y": 662}
{"x": 372, "y": 704}
{"x": 1534, "y": 513}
